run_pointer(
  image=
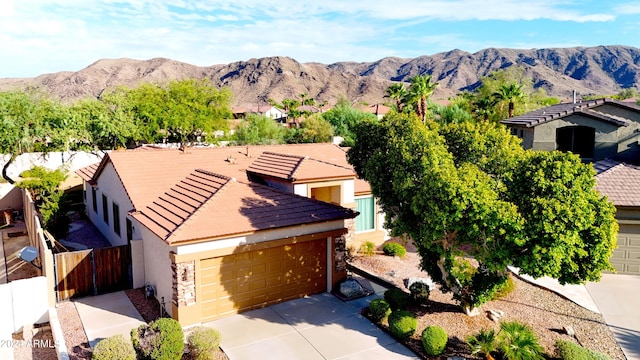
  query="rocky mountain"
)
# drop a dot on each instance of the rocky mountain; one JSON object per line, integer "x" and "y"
{"x": 588, "y": 70}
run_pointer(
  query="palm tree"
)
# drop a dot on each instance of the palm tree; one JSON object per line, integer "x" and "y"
{"x": 484, "y": 107}
{"x": 396, "y": 92}
{"x": 518, "y": 342}
{"x": 483, "y": 342}
{"x": 420, "y": 90}
{"x": 510, "y": 93}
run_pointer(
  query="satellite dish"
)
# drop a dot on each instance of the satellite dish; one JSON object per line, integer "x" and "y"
{"x": 28, "y": 253}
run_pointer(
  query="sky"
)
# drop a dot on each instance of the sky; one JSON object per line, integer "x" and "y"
{"x": 46, "y": 36}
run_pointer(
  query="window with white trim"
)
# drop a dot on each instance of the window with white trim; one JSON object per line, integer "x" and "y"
{"x": 366, "y": 220}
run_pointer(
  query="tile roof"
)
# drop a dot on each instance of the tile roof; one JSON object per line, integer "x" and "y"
{"x": 149, "y": 171}
{"x": 377, "y": 109}
{"x": 297, "y": 168}
{"x": 86, "y": 173}
{"x": 205, "y": 205}
{"x": 587, "y": 108}
{"x": 620, "y": 182}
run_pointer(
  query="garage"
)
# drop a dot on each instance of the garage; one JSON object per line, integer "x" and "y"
{"x": 626, "y": 258}
{"x": 253, "y": 279}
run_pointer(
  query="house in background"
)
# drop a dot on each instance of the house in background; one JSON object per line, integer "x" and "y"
{"x": 606, "y": 133}
{"x": 378, "y": 110}
{"x": 222, "y": 230}
{"x": 595, "y": 130}
{"x": 241, "y": 112}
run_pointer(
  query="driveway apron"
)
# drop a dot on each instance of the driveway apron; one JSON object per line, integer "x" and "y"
{"x": 315, "y": 327}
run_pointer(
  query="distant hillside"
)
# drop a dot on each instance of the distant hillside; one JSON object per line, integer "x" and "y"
{"x": 592, "y": 70}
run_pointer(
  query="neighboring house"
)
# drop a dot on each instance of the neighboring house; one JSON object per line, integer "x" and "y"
{"x": 595, "y": 130}
{"x": 241, "y": 112}
{"x": 376, "y": 109}
{"x": 221, "y": 230}
{"x": 607, "y": 133}
{"x": 620, "y": 182}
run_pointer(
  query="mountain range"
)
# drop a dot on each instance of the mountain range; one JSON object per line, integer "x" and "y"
{"x": 598, "y": 70}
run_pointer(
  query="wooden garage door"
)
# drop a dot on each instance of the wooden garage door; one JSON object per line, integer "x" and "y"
{"x": 254, "y": 279}
{"x": 626, "y": 258}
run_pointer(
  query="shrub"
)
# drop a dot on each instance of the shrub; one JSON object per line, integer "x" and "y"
{"x": 505, "y": 289}
{"x": 162, "y": 339}
{"x": 115, "y": 347}
{"x": 368, "y": 248}
{"x": 203, "y": 342}
{"x": 419, "y": 292}
{"x": 434, "y": 340}
{"x": 517, "y": 341}
{"x": 396, "y": 298}
{"x": 379, "y": 309}
{"x": 402, "y": 324}
{"x": 568, "y": 350}
{"x": 394, "y": 249}
{"x": 483, "y": 342}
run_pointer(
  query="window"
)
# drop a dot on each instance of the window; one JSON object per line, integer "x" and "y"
{"x": 94, "y": 200}
{"x": 116, "y": 218}
{"x": 105, "y": 209}
{"x": 366, "y": 219}
{"x": 577, "y": 139}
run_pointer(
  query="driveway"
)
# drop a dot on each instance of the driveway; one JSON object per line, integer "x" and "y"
{"x": 316, "y": 327}
{"x": 617, "y": 298}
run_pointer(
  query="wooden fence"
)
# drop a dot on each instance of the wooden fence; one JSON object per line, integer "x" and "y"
{"x": 92, "y": 272}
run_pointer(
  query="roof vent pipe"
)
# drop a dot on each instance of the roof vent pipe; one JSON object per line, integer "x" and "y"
{"x": 575, "y": 97}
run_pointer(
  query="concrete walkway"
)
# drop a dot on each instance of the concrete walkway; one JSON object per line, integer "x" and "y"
{"x": 618, "y": 298}
{"x": 106, "y": 315}
{"x": 316, "y": 327}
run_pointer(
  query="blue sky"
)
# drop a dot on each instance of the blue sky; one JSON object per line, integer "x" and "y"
{"x": 45, "y": 36}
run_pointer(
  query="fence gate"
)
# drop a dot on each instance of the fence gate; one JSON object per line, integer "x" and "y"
{"x": 92, "y": 272}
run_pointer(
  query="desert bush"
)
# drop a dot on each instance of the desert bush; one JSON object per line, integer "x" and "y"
{"x": 396, "y": 298}
{"x": 484, "y": 342}
{"x": 162, "y": 339}
{"x": 203, "y": 342}
{"x": 379, "y": 309}
{"x": 402, "y": 324}
{"x": 368, "y": 248}
{"x": 517, "y": 341}
{"x": 394, "y": 249}
{"x": 567, "y": 350}
{"x": 419, "y": 292}
{"x": 115, "y": 347}
{"x": 434, "y": 340}
{"x": 505, "y": 289}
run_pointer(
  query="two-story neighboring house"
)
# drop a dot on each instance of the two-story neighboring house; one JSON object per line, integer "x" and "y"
{"x": 222, "y": 230}
{"x": 607, "y": 133}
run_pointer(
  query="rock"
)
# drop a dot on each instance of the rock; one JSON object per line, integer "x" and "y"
{"x": 351, "y": 288}
{"x": 408, "y": 282}
{"x": 569, "y": 330}
{"x": 495, "y": 315}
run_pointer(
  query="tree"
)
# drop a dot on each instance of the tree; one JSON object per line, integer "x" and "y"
{"x": 344, "y": 119}
{"x": 397, "y": 93}
{"x": 32, "y": 122}
{"x": 469, "y": 189}
{"x": 108, "y": 123}
{"x": 484, "y": 107}
{"x": 420, "y": 90}
{"x": 314, "y": 129}
{"x": 259, "y": 130}
{"x": 510, "y": 93}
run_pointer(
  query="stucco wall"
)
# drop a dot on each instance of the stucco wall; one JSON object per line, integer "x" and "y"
{"x": 157, "y": 266}
{"x": 109, "y": 184}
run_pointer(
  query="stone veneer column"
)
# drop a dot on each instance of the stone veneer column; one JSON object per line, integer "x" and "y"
{"x": 184, "y": 283}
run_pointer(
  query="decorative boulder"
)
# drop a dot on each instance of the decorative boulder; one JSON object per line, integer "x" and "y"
{"x": 351, "y": 288}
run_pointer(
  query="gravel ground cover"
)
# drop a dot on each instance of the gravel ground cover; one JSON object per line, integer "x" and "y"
{"x": 545, "y": 311}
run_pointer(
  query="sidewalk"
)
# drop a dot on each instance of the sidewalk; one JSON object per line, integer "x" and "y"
{"x": 106, "y": 315}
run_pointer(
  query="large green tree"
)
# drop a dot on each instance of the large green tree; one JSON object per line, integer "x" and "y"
{"x": 259, "y": 130}
{"x": 469, "y": 190}
{"x": 314, "y": 129}
{"x": 421, "y": 88}
{"x": 344, "y": 119}
{"x": 396, "y": 93}
{"x": 510, "y": 93}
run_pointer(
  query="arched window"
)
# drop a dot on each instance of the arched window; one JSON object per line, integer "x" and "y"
{"x": 579, "y": 140}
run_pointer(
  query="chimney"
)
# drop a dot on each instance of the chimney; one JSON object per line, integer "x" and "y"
{"x": 575, "y": 97}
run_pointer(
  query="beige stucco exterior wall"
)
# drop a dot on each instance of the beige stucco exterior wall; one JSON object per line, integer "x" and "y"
{"x": 157, "y": 266}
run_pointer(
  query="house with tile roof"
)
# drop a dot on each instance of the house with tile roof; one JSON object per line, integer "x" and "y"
{"x": 604, "y": 132}
{"x": 595, "y": 130}
{"x": 217, "y": 231}
{"x": 270, "y": 111}
{"x": 620, "y": 182}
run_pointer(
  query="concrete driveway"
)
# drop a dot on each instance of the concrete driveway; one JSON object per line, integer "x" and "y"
{"x": 316, "y": 327}
{"x": 618, "y": 298}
